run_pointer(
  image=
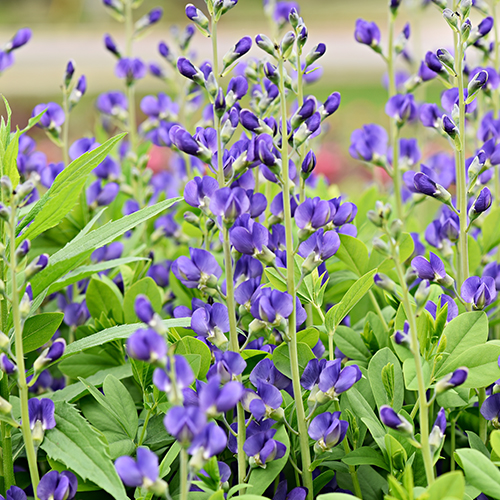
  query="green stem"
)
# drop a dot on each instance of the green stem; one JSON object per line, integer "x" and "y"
{"x": 396, "y": 174}
{"x": 21, "y": 382}
{"x": 462, "y": 251}
{"x": 292, "y": 333}
{"x": 453, "y": 443}
{"x": 352, "y": 468}
{"x": 228, "y": 264}
{"x": 415, "y": 349}
{"x": 184, "y": 474}
{"x": 483, "y": 424}
{"x": 331, "y": 348}
{"x": 65, "y": 128}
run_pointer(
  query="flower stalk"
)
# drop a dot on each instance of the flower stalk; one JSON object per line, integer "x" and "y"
{"x": 18, "y": 333}
{"x": 292, "y": 327}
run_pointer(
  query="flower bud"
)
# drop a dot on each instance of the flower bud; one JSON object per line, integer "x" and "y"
{"x": 6, "y": 365}
{"x": 22, "y": 250}
{"x": 452, "y": 130}
{"x": 465, "y": 30}
{"x": 50, "y": 355}
{"x": 68, "y": 74}
{"x": 239, "y": 50}
{"x": 475, "y": 85}
{"x": 4, "y": 341}
{"x": 25, "y": 306}
{"x": 465, "y": 6}
{"x": 266, "y": 44}
{"x": 5, "y": 407}
{"x": 23, "y": 190}
{"x": 458, "y": 377}
{"x": 451, "y": 18}
{"x": 287, "y": 44}
{"x": 422, "y": 295}
{"x": 481, "y": 204}
{"x": 447, "y": 60}
{"x": 383, "y": 281}
{"x": 315, "y": 53}
{"x": 6, "y": 187}
{"x": 198, "y": 18}
{"x": 391, "y": 419}
{"x": 381, "y": 246}
{"x": 37, "y": 265}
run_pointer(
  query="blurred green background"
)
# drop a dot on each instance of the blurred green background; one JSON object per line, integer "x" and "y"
{"x": 73, "y": 29}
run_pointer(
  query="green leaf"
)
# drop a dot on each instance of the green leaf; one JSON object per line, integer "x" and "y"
{"x": 482, "y": 362}
{"x": 377, "y": 363}
{"x": 39, "y": 329}
{"x": 145, "y": 286}
{"x": 281, "y": 358}
{"x": 410, "y": 373}
{"x": 76, "y": 444}
{"x": 449, "y": 485}
{"x": 191, "y": 345}
{"x": 334, "y": 496}
{"x": 366, "y": 456}
{"x": 465, "y": 331}
{"x": 353, "y": 253}
{"x": 109, "y": 405}
{"x": 75, "y": 391}
{"x": 309, "y": 336}
{"x": 260, "y": 479}
{"x": 59, "y": 200}
{"x": 104, "y": 297}
{"x": 355, "y": 293}
{"x": 87, "y": 271}
{"x": 121, "y": 400}
{"x": 350, "y": 343}
{"x": 80, "y": 247}
{"x": 491, "y": 235}
{"x": 479, "y": 471}
{"x": 362, "y": 410}
{"x": 495, "y": 442}
{"x": 119, "y": 332}
{"x": 169, "y": 458}
{"x": 476, "y": 443}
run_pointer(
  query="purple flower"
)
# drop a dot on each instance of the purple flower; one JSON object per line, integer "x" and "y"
{"x": 214, "y": 399}
{"x": 184, "y": 423}
{"x": 14, "y": 493}
{"x": 160, "y": 273}
{"x": 266, "y": 403}
{"x": 369, "y": 143}
{"x": 198, "y": 191}
{"x": 112, "y": 103}
{"x": 240, "y": 49}
{"x": 189, "y": 70}
{"x": 444, "y": 300}
{"x": 262, "y": 448}
{"x": 99, "y": 196}
{"x": 53, "y": 117}
{"x": 298, "y": 493}
{"x": 313, "y": 214}
{"x": 6, "y": 365}
{"x": 131, "y": 69}
{"x": 272, "y": 306}
{"x": 211, "y": 322}
{"x": 436, "y": 435}
{"x": 490, "y": 409}
{"x": 327, "y": 430}
{"x": 432, "y": 270}
{"x": 184, "y": 376}
{"x": 450, "y": 97}
{"x": 480, "y": 292}
{"x": 402, "y": 108}
{"x": 147, "y": 345}
{"x": 282, "y": 11}
{"x": 22, "y": 37}
{"x": 108, "y": 252}
{"x": 367, "y": 33}
{"x": 493, "y": 270}
{"x": 57, "y": 486}
{"x": 266, "y": 371}
{"x": 51, "y": 354}
{"x": 481, "y": 203}
{"x": 110, "y": 45}
{"x": 227, "y": 365}
{"x": 320, "y": 246}
{"x": 201, "y": 270}
{"x": 211, "y": 441}
{"x": 391, "y": 419}
{"x": 249, "y": 240}
{"x": 229, "y": 203}
{"x": 458, "y": 377}
{"x": 140, "y": 473}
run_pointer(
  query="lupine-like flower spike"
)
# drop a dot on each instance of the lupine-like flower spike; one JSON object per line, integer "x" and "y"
{"x": 183, "y": 374}
{"x": 57, "y": 486}
{"x": 391, "y": 419}
{"x": 452, "y": 380}
{"x": 327, "y": 430}
{"x": 141, "y": 473}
